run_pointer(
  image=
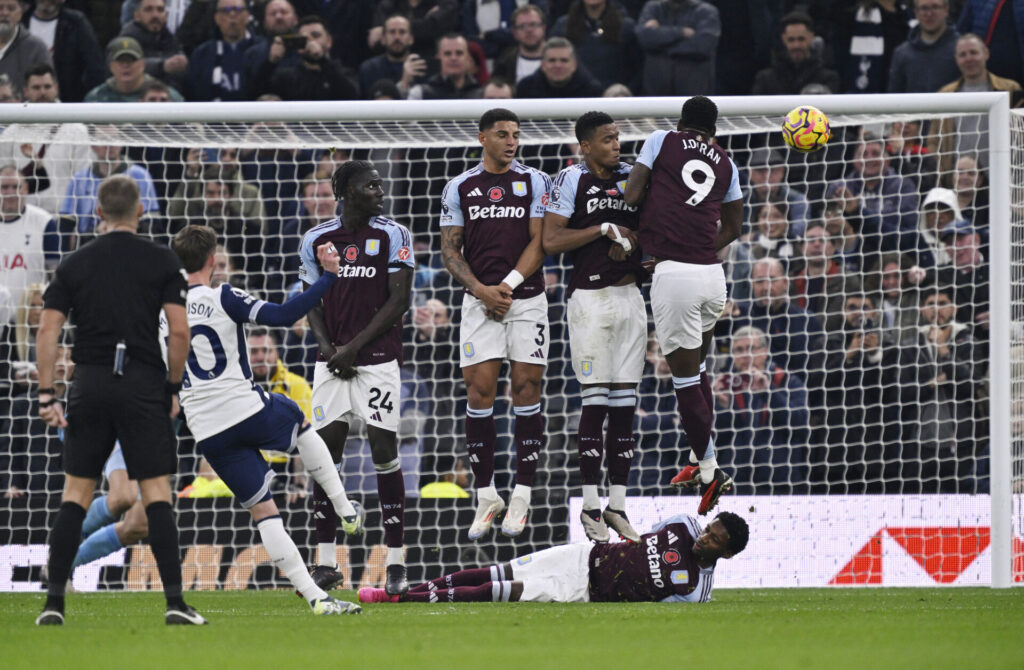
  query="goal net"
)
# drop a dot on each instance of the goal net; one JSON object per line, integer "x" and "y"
{"x": 868, "y": 371}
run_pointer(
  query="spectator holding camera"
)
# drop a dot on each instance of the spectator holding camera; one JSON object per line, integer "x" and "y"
{"x": 278, "y": 49}
{"x": 317, "y": 76}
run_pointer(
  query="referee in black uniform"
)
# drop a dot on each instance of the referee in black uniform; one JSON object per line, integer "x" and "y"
{"x": 113, "y": 290}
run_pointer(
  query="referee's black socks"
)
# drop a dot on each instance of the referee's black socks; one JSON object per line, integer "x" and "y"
{"x": 64, "y": 540}
{"x": 163, "y": 539}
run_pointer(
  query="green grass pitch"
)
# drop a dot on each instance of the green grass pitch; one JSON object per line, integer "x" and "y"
{"x": 747, "y": 629}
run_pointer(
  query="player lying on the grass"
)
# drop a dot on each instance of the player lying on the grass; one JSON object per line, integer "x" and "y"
{"x": 675, "y": 562}
{"x": 232, "y": 418}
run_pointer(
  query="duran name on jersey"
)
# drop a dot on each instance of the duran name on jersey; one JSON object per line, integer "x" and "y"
{"x": 690, "y": 179}
{"x": 660, "y": 566}
{"x": 368, "y": 255}
{"x": 586, "y": 200}
{"x": 495, "y": 211}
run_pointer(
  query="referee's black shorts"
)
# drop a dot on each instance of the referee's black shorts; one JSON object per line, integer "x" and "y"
{"x": 133, "y": 408}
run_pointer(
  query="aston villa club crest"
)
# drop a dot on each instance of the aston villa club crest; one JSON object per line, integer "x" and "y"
{"x": 351, "y": 253}
{"x": 622, "y": 187}
{"x": 588, "y": 368}
{"x": 318, "y": 413}
{"x": 372, "y": 247}
{"x": 519, "y": 188}
{"x": 680, "y": 576}
{"x": 467, "y": 349}
{"x": 495, "y": 194}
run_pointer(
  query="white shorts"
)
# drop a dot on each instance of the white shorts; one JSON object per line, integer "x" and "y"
{"x": 521, "y": 336}
{"x": 373, "y": 394}
{"x": 557, "y": 575}
{"x": 608, "y": 334}
{"x": 686, "y": 301}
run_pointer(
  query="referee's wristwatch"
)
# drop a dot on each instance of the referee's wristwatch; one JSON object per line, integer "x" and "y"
{"x": 53, "y": 397}
{"x": 171, "y": 388}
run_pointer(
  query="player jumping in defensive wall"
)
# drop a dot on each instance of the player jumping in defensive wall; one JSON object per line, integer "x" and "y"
{"x": 693, "y": 184}
{"x": 607, "y": 317}
{"x": 491, "y": 218}
{"x": 232, "y": 418}
{"x": 675, "y": 562}
{"x": 359, "y": 329}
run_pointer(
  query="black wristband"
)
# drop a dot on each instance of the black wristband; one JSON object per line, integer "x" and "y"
{"x": 171, "y": 388}
{"x": 48, "y": 403}
{"x": 50, "y": 390}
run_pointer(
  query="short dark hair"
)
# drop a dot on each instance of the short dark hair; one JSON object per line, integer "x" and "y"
{"x": 154, "y": 85}
{"x": 344, "y": 173}
{"x": 700, "y": 113}
{"x": 501, "y": 82}
{"x": 262, "y": 331}
{"x": 796, "y": 17}
{"x": 194, "y": 245}
{"x": 118, "y": 197}
{"x": 310, "y": 19}
{"x": 528, "y": 8}
{"x": 496, "y": 115}
{"x": 590, "y": 122}
{"x": 738, "y": 531}
{"x": 40, "y": 70}
{"x": 384, "y": 87}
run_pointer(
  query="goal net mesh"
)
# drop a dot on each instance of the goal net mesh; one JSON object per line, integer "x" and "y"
{"x": 849, "y": 370}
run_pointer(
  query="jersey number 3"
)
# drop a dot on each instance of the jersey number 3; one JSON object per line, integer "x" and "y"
{"x": 702, "y": 188}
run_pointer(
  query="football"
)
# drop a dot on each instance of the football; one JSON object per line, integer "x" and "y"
{"x": 806, "y": 129}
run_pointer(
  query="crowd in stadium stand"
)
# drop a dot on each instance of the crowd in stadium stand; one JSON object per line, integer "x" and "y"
{"x": 852, "y": 356}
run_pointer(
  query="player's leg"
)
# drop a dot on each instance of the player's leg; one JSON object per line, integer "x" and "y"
{"x": 529, "y": 438}
{"x": 590, "y": 444}
{"x": 286, "y": 558}
{"x": 626, "y": 362}
{"x": 325, "y": 519}
{"x": 108, "y": 508}
{"x": 122, "y": 497}
{"x": 318, "y": 462}
{"x": 112, "y": 537}
{"x": 474, "y": 585}
{"x": 481, "y": 434}
{"x": 64, "y": 540}
{"x": 689, "y": 476}
{"x": 391, "y": 491}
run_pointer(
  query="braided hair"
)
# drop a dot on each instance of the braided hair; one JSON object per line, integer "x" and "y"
{"x": 344, "y": 174}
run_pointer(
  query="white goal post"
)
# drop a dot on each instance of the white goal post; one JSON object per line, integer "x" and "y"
{"x": 384, "y": 127}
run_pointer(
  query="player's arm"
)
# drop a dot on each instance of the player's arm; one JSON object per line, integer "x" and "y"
{"x": 50, "y": 323}
{"x": 636, "y": 185}
{"x": 731, "y": 213}
{"x": 318, "y": 324}
{"x": 558, "y": 237}
{"x": 177, "y": 340}
{"x": 452, "y": 239}
{"x": 533, "y": 255}
{"x": 390, "y": 313}
{"x": 287, "y": 313}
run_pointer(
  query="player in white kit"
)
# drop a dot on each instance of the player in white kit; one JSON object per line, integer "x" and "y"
{"x": 232, "y": 418}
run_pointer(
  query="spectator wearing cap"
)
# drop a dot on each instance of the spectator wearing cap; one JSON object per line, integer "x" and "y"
{"x": 926, "y": 60}
{"x": 19, "y": 49}
{"x": 940, "y": 208}
{"x": 796, "y": 66}
{"x": 127, "y": 64}
{"x": 560, "y": 75}
{"x": 954, "y": 136}
{"x": 77, "y": 57}
{"x": 165, "y": 59}
{"x": 216, "y": 69}
{"x": 679, "y": 39}
{"x": 766, "y": 173}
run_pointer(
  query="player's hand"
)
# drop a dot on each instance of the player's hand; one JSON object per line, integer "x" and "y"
{"x": 617, "y": 253}
{"x": 277, "y": 50}
{"x": 52, "y": 415}
{"x": 175, "y": 406}
{"x": 626, "y": 238}
{"x": 648, "y": 265}
{"x": 496, "y": 300}
{"x": 328, "y": 257}
{"x": 341, "y": 364}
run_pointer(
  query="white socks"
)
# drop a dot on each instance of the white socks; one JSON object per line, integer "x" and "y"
{"x": 327, "y": 554}
{"x": 488, "y": 493}
{"x": 396, "y": 555}
{"x": 617, "y": 497}
{"x": 286, "y": 558}
{"x": 707, "y": 469}
{"x": 317, "y": 460}
{"x": 521, "y": 491}
{"x": 590, "y": 499}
